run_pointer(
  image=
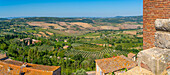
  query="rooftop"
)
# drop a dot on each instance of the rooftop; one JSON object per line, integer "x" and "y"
{"x": 16, "y": 67}
{"x": 137, "y": 71}
{"x": 130, "y": 55}
{"x": 113, "y": 64}
{"x": 2, "y": 56}
{"x": 43, "y": 67}
{"x": 13, "y": 62}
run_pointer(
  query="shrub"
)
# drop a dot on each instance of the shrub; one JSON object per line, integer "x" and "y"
{"x": 81, "y": 72}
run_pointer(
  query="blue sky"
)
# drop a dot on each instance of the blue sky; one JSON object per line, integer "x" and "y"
{"x": 71, "y": 8}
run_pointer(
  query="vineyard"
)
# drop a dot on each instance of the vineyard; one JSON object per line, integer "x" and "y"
{"x": 98, "y": 54}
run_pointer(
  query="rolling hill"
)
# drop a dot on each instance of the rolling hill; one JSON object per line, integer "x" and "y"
{"x": 68, "y": 26}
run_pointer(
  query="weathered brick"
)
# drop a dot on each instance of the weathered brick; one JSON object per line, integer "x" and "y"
{"x": 152, "y": 10}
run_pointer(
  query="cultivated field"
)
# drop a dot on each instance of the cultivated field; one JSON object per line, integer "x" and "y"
{"x": 129, "y": 26}
{"x": 37, "y": 35}
{"x": 108, "y": 28}
{"x": 43, "y": 34}
{"x": 139, "y": 35}
{"x": 130, "y": 32}
{"x": 45, "y": 25}
{"x": 49, "y": 33}
{"x": 85, "y": 25}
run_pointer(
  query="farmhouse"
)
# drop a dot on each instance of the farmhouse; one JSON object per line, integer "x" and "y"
{"x": 65, "y": 47}
{"x": 28, "y": 41}
{"x": 65, "y": 40}
{"x": 114, "y": 65}
{"x": 57, "y": 40}
{"x": 35, "y": 41}
{"x": 12, "y": 67}
{"x": 100, "y": 44}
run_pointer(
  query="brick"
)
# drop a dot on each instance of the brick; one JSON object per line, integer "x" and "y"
{"x": 152, "y": 10}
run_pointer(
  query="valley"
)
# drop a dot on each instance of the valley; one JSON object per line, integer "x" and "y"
{"x": 72, "y": 43}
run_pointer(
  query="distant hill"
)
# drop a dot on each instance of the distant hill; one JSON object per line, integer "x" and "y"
{"x": 58, "y": 25}
{"x": 53, "y": 19}
{"x": 121, "y": 19}
{"x": 4, "y": 19}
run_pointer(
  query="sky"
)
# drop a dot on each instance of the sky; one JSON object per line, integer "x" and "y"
{"x": 70, "y": 8}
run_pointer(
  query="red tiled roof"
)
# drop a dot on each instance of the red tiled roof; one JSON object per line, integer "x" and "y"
{"x": 43, "y": 67}
{"x": 13, "y": 62}
{"x": 137, "y": 71}
{"x": 2, "y": 56}
{"x": 108, "y": 65}
{"x": 130, "y": 55}
{"x": 31, "y": 69}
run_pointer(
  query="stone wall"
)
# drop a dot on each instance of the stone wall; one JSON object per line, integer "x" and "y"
{"x": 157, "y": 58}
{"x": 152, "y": 10}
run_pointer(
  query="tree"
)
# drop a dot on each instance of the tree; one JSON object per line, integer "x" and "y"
{"x": 118, "y": 47}
{"x": 58, "y": 46}
{"x": 107, "y": 55}
{"x": 138, "y": 27}
{"x": 78, "y": 57}
{"x": 3, "y": 46}
{"x": 30, "y": 55}
{"x": 61, "y": 54}
{"x": 12, "y": 50}
{"x": 85, "y": 64}
{"x": 46, "y": 60}
{"x": 52, "y": 27}
{"x": 81, "y": 72}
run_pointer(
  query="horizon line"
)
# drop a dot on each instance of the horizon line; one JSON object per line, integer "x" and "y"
{"x": 70, "y": 16}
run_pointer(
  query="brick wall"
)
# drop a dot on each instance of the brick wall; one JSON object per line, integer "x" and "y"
{"x": 152, "y": 10}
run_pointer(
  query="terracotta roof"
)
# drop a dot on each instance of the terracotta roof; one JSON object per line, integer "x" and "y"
{"x": 4, "y": 69}
{"x": 108, "y": 65}
{"x": 13, "y": 62}
{"x": 130, "y": 55}
{"x": 30, "y": 69}
{"x": 137, "y": 71}
{"x": 2, "y": 56}
{"x": 43, "y": 67}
